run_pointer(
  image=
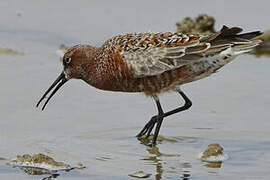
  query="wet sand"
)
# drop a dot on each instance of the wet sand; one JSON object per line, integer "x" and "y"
{"x": 96, "y": 128}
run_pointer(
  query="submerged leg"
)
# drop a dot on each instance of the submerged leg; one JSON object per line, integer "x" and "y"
{"x": 158, "y": 119}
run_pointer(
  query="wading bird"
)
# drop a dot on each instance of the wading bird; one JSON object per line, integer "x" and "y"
{"x": 153, "y": 63}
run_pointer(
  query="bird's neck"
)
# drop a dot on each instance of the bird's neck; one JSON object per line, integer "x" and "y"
{"x": 92, "y": 74}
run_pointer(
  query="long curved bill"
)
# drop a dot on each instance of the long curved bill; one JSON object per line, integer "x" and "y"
{"x": 60, "y": 81}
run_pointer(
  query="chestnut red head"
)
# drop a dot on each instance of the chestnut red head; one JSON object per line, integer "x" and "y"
{"x": 74, "y": 64}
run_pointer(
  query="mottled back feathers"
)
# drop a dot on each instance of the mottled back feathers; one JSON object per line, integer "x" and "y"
{"x": 149, "y": 54}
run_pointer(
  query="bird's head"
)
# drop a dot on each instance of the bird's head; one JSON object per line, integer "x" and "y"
{"x": 75, "y": 62}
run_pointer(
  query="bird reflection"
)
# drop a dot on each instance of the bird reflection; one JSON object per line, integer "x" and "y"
{"x": 155, "y": 155}
{"x": 154, "y": 159}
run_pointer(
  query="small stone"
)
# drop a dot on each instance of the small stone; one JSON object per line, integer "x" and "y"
{"x": 213, "y": 150}
{"x": 80, "y": 166}
{"x": 140, "y": 174}
{"x": 213, "y": 153}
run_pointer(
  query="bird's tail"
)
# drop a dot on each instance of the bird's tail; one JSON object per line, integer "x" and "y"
{"x": 230, "y": 37}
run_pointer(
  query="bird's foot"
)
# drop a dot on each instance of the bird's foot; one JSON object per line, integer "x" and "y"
{"x": 146, "y": 131}
{"x": 148, "y": 127}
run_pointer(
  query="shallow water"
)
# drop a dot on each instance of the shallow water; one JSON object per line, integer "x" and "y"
{"x": 97, "y": 128}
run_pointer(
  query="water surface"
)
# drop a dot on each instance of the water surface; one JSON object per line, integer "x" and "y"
{"x": 98, "y": 128}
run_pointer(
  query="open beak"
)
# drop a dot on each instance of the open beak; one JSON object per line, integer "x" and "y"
{"x": 60, "y": 81}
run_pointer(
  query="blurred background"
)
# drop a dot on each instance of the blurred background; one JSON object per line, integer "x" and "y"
{"x": 96, "y": 128}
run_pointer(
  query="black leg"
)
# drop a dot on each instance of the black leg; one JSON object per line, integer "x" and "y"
{"x": 159, "y": 122}
{"x": 186, "y": 106}
{"x": 158, "y": 119}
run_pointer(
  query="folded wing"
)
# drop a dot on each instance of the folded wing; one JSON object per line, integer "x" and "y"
{"x": 149, "y": 54}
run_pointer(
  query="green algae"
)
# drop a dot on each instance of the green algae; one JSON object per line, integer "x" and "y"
{"x": 203, "y": 24}
{"x": 264, "y": 48}
{"x": 39, "y": 164}
{"x": 39, "y": 159}
{"x": 265, "y": 36}
{"x": 8, "y": 51}
{"x": 2, "y": 159}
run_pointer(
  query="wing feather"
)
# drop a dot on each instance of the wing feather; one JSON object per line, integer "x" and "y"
{"x": 156, "y": 60}
{"x": 149, "y": 54}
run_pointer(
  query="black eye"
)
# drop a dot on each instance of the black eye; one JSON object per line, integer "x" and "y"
{"x": 67, "y": 60}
